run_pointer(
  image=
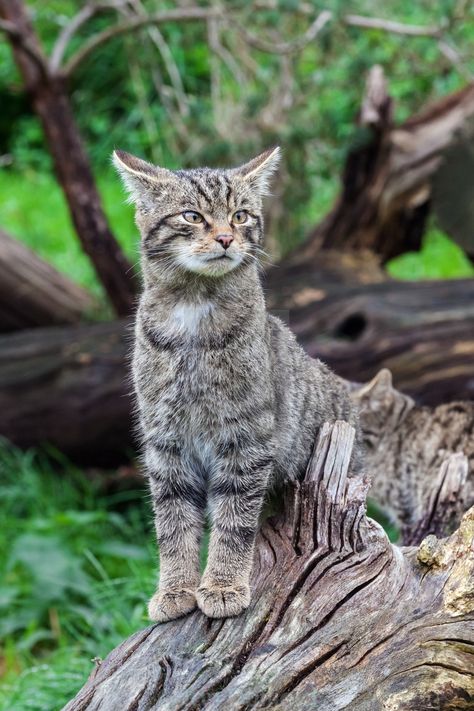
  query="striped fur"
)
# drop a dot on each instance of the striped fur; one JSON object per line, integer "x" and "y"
{"x": 229, "y": 403}
{"x": 406, "y": 444}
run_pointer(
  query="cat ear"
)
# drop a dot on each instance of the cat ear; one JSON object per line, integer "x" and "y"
{"x": 259, "y": 170}
{"x": 380, "y": 395}
{"x": 378, "y": 388}
{"x": 139, "y": 176}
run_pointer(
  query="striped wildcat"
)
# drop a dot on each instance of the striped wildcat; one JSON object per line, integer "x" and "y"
{"x": 228, "y": 402}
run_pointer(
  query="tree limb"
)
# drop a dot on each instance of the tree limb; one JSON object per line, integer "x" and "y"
{"x": 177, "y": 15}
{"x": 398, "y": 28}
{"x": 287, "y": 47}
{"x": 17, "y": 37}
{"x": 67, "y": 33}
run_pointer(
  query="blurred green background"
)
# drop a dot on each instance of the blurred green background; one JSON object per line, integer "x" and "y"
{"x": 77, "y": 565}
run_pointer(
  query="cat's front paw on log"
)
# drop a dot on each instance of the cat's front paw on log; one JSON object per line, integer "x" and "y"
{"x": 169, "y": 604}
{"x": 223, "y": 601}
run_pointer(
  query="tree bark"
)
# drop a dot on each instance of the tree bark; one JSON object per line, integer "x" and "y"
{"x": 33, "y": 293}
{"x": 422, "y": 331}
{"x": 389, "y": 176}
{"x": 52, "y": 380}
{"x": 51, "y": 103}
{"x": 69, "y": 387}
{"x": 445, "y": 504}
{"x": 339, "y": 618}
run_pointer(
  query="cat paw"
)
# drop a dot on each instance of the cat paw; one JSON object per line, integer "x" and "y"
{"x": 168, "y": 605}
{"x": 219, "y": 601}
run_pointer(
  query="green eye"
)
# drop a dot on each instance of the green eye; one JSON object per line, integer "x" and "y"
{"x": 240, "y": 217}
{"x": 191, "y": 216}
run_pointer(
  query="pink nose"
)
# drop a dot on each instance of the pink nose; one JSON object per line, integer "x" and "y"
{"x": 225, "y": 240}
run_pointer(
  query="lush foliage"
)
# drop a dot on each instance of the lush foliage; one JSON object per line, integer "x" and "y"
{"x": 186, "y": 104}
{"x": 76, "y": 565}
{"x": 439, "y": 258}
{"x": 76, "y": 569}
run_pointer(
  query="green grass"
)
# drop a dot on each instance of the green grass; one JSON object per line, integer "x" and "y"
{"x": 34, "y": 210}
{"x": 76, "y": 571}
{"x": 438, "y": 258}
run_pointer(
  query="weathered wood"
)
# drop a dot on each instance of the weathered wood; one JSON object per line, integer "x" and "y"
{"x": 69, "y": 387}
{"x": 424, "y": 333}
{"x": 390, "y": 173}
{"x": 445, "y": 504}
{"x": 339, "y": 619}
{"x": 33, "y": 293}
{"x": 50, "y": 101}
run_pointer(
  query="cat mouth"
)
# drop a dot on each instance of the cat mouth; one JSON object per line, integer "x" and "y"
{"x": 219, "y": 258}
{"x": 210, "y": 264}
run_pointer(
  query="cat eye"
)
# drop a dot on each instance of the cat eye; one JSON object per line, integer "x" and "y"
{"x": 193, "y": 217}
{"x": 240, "y": 217}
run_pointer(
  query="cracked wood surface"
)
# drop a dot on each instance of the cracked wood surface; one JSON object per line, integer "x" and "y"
{"x": 339, "y": 619}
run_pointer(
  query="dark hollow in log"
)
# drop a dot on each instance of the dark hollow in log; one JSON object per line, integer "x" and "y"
{"x": 339, "y": 619}
{"x": 422, "y": 331}
{"x": 54, "y": 382}
{"x": 33, "y": 293}
{"x": 68, "y": 387}
{"x": 390, "y": 173}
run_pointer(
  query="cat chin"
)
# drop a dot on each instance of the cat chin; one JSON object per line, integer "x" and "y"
{"x": 210, "y": 267}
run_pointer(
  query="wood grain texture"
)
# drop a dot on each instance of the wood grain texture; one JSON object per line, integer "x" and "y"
{"x": 422, "y": 332}
{"x": 340, "y": 618}
{"x": 68, "y": 386}
{"x": 33, "y": 293}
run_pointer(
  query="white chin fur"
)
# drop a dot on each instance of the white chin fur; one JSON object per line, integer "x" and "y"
{"x": 211, "y": 267}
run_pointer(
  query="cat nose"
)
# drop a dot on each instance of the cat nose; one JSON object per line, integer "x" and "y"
{"x": 224, "y": 240}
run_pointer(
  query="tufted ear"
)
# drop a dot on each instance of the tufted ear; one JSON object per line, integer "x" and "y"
{"x": 379, "y": 396}
{"x": 259, "y": 170}
{"x": 378, "y": 388}
{"x": 139, "y": 177}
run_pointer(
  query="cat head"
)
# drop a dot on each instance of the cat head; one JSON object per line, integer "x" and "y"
{"x": 206, "y": 221}
{"x": 381, "y": 408}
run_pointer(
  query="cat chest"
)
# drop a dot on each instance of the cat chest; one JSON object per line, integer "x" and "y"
{"x": 197, "y": 370}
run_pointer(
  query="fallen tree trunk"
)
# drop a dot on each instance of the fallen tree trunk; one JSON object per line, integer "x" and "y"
{"x": 33, "y": 293}
{"x": 389, "y": 179}
{"x": 433, "y": 363}
{"x": 70, "y": 386}
{"x": 339, "y": 618}
{"x": 422, "y": 331}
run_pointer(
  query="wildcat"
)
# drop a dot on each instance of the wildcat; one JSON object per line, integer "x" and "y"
{"x": 228, "y": 402}
{"x": 405, "y": 445}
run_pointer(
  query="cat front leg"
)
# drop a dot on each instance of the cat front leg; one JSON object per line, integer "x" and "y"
{"x": 179, "y": 499}
{"x": 236, "y": 496}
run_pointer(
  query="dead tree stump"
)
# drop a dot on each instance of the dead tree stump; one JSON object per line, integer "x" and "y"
{"x": 339, "y": 619}
{"x": 395, "y": 175}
